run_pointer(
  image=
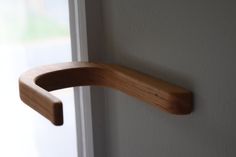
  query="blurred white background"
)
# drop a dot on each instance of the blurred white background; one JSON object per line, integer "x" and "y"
{"x": 33, "y": 33}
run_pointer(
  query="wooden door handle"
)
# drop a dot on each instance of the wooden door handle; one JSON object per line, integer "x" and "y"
{"x": 35, "y": 84}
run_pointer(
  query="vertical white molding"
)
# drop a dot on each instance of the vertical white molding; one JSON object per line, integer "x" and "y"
{"x": 79, "y": 48}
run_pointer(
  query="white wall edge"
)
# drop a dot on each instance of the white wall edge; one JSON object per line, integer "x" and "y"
{"x": 79, "y": 48}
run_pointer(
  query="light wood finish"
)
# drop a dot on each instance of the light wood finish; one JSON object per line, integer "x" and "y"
{"x": 35, "y": 85}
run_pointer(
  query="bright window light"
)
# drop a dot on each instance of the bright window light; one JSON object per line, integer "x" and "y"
{"x": 33, "y": 33}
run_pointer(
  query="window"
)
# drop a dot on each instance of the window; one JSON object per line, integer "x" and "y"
{"x": 33, "y": 33}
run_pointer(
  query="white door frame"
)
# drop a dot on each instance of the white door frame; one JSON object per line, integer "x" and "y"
{"x": 79, "y": 48}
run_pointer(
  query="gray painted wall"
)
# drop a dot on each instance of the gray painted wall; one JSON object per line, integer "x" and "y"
{"x": 189, "y": 43}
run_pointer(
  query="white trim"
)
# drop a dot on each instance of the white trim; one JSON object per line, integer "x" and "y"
{"x": 82, "y": 95}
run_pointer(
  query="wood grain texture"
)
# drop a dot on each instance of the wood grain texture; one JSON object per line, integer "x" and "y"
{"x": 35, "y": 84}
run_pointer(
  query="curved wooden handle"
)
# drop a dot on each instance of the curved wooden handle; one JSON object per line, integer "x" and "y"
{"x": 35, "y": 85}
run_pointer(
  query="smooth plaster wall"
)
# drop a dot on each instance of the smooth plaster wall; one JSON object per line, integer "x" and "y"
{"x": 189, "y": 43}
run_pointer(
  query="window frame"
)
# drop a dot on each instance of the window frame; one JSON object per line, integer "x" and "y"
{"x": 79, "y": 48}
